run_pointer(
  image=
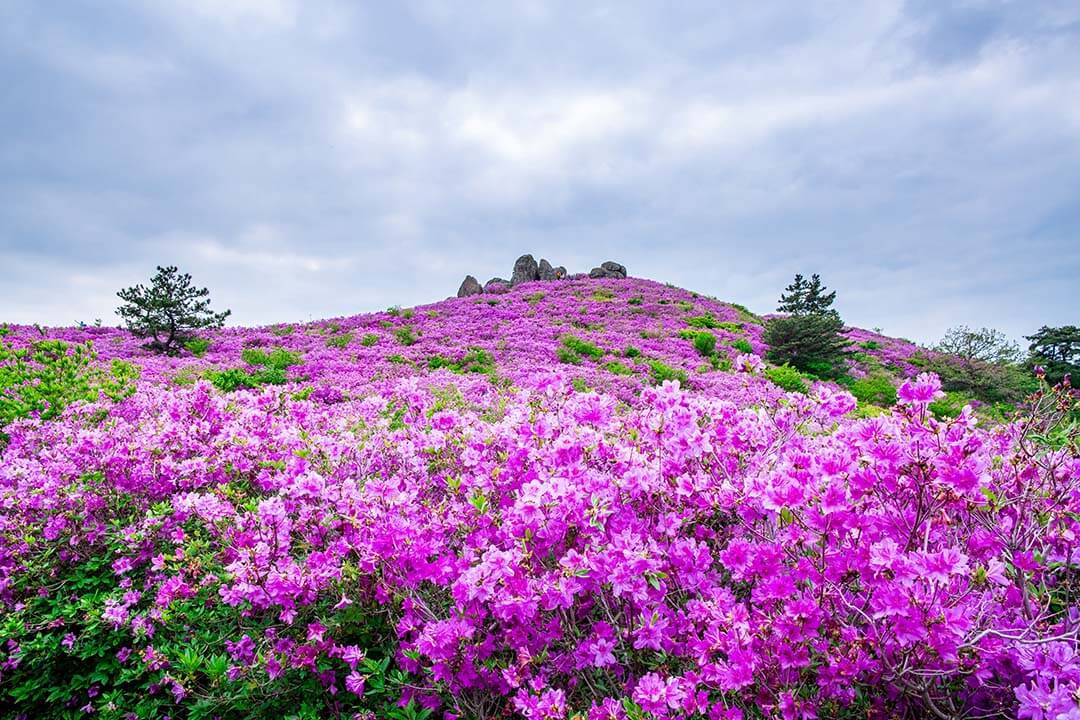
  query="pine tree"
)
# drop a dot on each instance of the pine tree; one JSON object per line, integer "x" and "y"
{"x": 1057, "y": 350}
{"x": 808, "y": 337}
{"x": 169, "y": 311}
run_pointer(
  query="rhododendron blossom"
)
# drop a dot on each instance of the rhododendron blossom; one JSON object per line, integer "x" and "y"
{"x": 540, "y": 539}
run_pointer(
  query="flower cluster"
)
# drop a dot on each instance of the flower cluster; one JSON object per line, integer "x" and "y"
{"x": 539, "y": 540}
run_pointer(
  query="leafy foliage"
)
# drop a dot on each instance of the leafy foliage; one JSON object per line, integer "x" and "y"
{"x": 48, "y": 375}
{"x": 1057, "y": 351}
{"x": 984, "y": 345}
{"x": 169, "y": 311}
{"x": 788, "y": 378}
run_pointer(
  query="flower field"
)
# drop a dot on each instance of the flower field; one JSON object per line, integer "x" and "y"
{"x": 561, "y": 501}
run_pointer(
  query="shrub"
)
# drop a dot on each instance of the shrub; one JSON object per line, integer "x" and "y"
{"x": 875, "y": 389}
{"x": 339, "y": 341}
{"x": 662, "y": 372}
{"x": 231, "y": 379}
{"x": 535, "y": 298}
{"x": 631, "y": 352}
{"x": 169, "y": 311}
{"x": 568, "y": 356}
{"x": 618, "y": 368}
{"x": 582, "y": 347}
{"x": 949, "y": 406}
{"x": 47, "y": 376}
{"x": 705, "y": 343}
{"x": 197, "y": 346}
{"x": 870, "y": 345}
{"x": 476, "y": 360}
{"x": 369, "y": 339}
{"x": 742, "y": 345}
{"x": 269, "y": 369}
{"x": 787, "y": 377}
{"x": 703, "y": 321}
{"x": 720, "y": 361}
{"x": 635, "y": 300}
{"x": 405, "y": 335}
{"x": 603, "y": 295}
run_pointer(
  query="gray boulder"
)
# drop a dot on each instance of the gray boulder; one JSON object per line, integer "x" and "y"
{"x": 525, "y": 270}
{"x": 469, "y": 286}
{"x": 614, "y": 268}
{"x": 560, "y": 273}
{"x": 609, "y": 269}
{"x": 545, "y": 270}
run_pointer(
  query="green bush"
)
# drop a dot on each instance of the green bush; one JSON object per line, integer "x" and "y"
{"x": 339, "y": 341}
{"x": 635, "y": 300}
{"x": 581, "y": 348}
{"x": 568, "y": 356}
{"x": 231, "y": 379}
{"x": 405, "y": 335}
{"x": 787, "y": 377}
{"x": 875, "y": 389}
{"x": 720, "y": 361}
{"x": 197, "y": 346}
{"x": 662, "y": 372}
{"x": 631, "y": 352}
{"x": 705, "y": 343}
{"x": 870, "y": 345}
{"x": 49, "y": 375}
{"x": 949, "y": 406}
{"x": 476, "y": 360}
{"x": 603, "y": 295}
{"x": 742, "y": 345}
{"x": 703, "y": 321}
{"x": 269, "y": 369}
{"x": 535, "y": 298}
{"x": 618, "y": 368}
{"x": 369, "y": 339}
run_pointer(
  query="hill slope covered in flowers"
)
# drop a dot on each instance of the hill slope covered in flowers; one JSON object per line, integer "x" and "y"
{"x": 580, "y": 499}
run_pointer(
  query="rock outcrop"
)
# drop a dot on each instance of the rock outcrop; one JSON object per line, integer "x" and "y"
{"x": 469, "y": 286}
{"x": 609, "y": 269}
{"x": 526, "y": 269}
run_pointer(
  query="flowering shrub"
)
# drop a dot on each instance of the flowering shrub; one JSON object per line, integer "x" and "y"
{"x": 411, "y": 541}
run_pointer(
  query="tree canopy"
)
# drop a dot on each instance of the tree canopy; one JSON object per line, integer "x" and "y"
{"x": 169, "y": 311}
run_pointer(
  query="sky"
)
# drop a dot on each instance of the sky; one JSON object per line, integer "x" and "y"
{"x": 319, "y": 158}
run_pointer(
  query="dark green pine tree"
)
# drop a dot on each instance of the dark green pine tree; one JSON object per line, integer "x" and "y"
{"x": 169, "y": 311}
{"x": 1057, "y": 350}
{"x": 808, "y": 337}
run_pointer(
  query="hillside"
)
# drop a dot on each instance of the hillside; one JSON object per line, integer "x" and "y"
{"x": 583, "y": 498}
{"x": 628, "y": 334}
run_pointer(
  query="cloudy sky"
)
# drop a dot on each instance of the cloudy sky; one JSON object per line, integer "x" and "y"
{"x": 316, "y": 158}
